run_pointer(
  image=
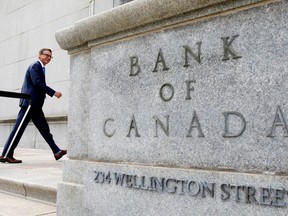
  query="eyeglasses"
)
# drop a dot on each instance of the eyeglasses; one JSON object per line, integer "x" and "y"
{"x": 47, "y": 55}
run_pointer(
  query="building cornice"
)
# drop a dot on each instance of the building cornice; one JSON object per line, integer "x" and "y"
{"x": 142, "y": 16}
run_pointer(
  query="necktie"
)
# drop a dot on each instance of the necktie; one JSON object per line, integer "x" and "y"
{"x": 44, "y": 70}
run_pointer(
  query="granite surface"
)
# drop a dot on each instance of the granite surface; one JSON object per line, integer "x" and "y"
{"x": 186, "y": 119}
{"x": 208, "y": 112}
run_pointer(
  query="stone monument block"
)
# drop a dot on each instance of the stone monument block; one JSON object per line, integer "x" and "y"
{"x": 178, "y": 108}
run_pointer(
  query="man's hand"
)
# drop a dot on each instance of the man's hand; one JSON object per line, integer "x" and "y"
{"x": 58, "y": 94}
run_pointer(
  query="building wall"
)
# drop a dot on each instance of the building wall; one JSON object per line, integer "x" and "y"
{"x": 98, "y": 6}
{"x": 26, "y": 27}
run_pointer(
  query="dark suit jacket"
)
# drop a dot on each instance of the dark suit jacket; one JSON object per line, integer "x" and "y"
{"x": 35, "y": 85}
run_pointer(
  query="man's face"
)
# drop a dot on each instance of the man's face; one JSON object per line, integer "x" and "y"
{"x": 45, "y": 57}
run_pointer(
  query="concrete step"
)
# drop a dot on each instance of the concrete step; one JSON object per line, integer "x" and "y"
{"x": 12, "y": 205}
{"x": 36, "y": 178}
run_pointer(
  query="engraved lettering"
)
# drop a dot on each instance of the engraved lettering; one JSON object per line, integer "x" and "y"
{"x": 238, "y": 188}
{"x": 182, "y": 182}
{"x": 228, "y": 49}
{"x": 119, "y": 178}
{"x": 250, "y": 194}
{"x": 209, "y": 188}
{"x": 100, "y": 178}
{"x": 278, "y": 121}
{"x": 245, "y": 194}
{"x": 226, "y": 194}
{"x": 150, "y": 187}
{"x": 104, "y": 128}
{"x": 134, "y": 66}
{"x": 159, "y": 122}
{"x": 169, "y": 88}
{"x": 157, "y": 184}
{"x": 189, "y": 88}
{"x": 189, "y": 51}
{"x": 134, "y": 182}
{"x": 143, "y": 186}
{"x": 227, "y": 133}
{"x": 170, "y": 186}
{"x": 195, "y": 124}
{"x": 133, "y": 125}
{"x": 160, "y": 59}
{"x": 108, "y": 178}
{"x": 264, "y": 196}
{"x": 278, "y": 198}
{"x": 194, "y": 188}
{"x": 129, "y": 181}
{"x": 96, "y": 177}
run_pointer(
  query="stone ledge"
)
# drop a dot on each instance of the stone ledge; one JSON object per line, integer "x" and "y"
{"x": 102, "y": 185}
{"x": 119, "y": 20}
{"x": 125, "y": 17}
{"x": 49, "y": 119}
{"x": 31, "y": 191}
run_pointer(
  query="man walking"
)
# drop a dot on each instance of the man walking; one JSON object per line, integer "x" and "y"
{"x": 34, "y": 85}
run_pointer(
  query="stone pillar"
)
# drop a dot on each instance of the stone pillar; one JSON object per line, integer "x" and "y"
{"x": 178, "y": 108}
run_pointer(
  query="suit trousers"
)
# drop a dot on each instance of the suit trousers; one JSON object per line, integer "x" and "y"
{"x": 39, "y": 120}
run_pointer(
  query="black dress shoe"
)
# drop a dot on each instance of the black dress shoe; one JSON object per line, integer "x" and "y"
{"x": 60, "y": 154}
{"x": 9, "y": 160}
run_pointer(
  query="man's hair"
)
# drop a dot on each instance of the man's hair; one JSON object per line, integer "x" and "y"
{"x": 44, "y": 49}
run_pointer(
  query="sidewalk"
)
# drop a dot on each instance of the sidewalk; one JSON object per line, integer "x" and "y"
{"x": 32, "y": 181}
{"x": 12, "y": 205}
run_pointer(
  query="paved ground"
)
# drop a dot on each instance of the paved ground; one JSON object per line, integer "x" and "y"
{"x": 11, "y": 205}
{"x": 23, "y": 185}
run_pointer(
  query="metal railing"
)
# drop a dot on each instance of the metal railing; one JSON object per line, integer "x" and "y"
{"x": 16, "y": 95}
